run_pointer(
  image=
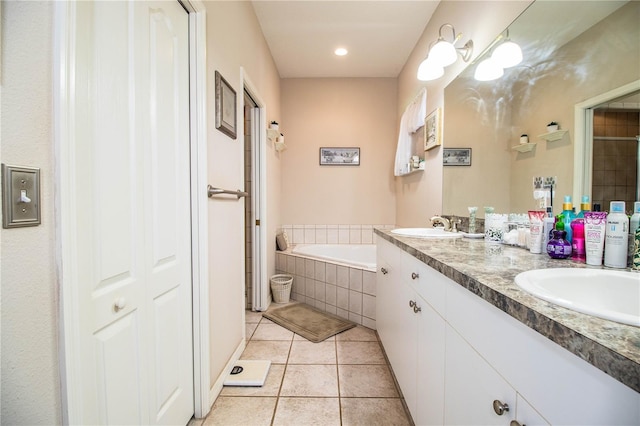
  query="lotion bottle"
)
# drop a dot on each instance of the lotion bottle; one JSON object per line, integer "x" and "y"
{"x": 616, "y": 236}
{"x": 634, "y": 223}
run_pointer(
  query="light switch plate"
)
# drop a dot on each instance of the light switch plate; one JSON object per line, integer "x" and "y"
{"x": 20, "y": 196}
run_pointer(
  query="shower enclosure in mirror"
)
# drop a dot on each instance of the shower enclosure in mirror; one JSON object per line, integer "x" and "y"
{"x": 573, "y": 51}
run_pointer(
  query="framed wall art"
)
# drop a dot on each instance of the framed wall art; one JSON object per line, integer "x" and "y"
{"x": 339, "y": 156}
{"x": 433, "y": 130}
{"x": 225, "y": 107}
{"x": 456, "y": 157}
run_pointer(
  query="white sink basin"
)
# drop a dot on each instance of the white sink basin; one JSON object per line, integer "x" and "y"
{"x": 612, "y": 295}
{"x": 425, "y": 233}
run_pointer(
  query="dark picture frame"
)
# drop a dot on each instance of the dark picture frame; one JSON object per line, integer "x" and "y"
{"x": 333, "y": 156}
{"x": 226, "y": 107}
{"x": 456, "y": 157}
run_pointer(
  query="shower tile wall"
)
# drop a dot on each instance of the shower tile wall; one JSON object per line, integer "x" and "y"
{"x": 615, "y": 153}
{"x": 340, "y": 290}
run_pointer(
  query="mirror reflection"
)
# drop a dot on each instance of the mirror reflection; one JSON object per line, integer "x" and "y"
{"x": 573, "y": 52}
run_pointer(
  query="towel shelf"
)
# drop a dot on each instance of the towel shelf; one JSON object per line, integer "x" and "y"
{"x": 211, "y": 191}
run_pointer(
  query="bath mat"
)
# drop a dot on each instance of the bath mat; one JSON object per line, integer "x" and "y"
{"x": 308, "y": 322}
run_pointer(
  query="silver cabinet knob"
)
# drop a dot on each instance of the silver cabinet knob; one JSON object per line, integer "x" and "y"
{"x": 384, "y": 271}
{"x": 412, "y": 303}
{"x": 414, "y": 276}
{"x": 499, "y": 407}
{"x": 516, "y": 423}
{"x": 416, "y": 308}
{"x": 119, "y": 304}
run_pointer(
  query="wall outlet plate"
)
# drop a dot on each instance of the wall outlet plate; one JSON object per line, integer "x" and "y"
{"x": 20, "y": 196}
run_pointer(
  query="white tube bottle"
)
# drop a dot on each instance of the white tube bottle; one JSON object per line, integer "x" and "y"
{"x": 616, "y": 236}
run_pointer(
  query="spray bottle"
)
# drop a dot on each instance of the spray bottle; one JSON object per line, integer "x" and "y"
{"x": 616, "y": 242}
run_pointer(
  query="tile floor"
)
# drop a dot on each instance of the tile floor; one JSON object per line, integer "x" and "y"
{"x": 344, "y": 380}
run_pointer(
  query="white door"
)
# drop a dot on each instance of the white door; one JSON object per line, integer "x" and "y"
{"x": 128, "y": 251}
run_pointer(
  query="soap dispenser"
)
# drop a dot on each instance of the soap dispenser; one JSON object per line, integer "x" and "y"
{"x": 558, "y": 247}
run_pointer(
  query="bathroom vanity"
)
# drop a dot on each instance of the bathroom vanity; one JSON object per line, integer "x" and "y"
{"x": 465, "y": 343}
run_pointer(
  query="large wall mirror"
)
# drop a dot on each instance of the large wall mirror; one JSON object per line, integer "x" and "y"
{"x": 573, "y": 52}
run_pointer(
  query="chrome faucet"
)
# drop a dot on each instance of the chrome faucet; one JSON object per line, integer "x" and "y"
{"x": 441, "y": 220}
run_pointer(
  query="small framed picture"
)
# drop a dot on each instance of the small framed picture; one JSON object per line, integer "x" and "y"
{"x": 456, "y": 157}
{"x": 339, "y": 156}
{"x": 433, "y": 130}
{"x": 225, "y": 107}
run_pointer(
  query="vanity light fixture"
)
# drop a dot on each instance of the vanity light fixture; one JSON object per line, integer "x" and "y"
{"x": 443, "y": 53}
{"x": 488, "y": 70}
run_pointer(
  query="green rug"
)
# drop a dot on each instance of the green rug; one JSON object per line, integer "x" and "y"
{"x": 308, "y": 322}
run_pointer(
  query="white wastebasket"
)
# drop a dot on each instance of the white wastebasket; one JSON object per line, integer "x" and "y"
{"x": 281, "y": 287}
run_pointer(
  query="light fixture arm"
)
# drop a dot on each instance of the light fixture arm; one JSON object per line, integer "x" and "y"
{"x": 465, "y": 51}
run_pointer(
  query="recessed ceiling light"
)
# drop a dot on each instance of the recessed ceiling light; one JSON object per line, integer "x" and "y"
{"x": 341, "y": 51}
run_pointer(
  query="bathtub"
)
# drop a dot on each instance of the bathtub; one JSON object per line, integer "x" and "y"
{"x": 352, "y": 255}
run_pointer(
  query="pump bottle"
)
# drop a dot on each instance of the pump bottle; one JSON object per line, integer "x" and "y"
{"x": 568, "y": 215}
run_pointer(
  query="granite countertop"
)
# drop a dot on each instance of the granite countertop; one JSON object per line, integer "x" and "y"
{"x": 488, "y": 270}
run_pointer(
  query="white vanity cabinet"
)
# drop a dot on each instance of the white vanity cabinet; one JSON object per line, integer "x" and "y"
{"x": 459, "y": 353}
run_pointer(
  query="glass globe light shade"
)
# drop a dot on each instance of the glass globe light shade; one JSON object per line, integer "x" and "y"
{"x": 443, "y": 53}
{"x": 507, "y": 54}
{"x": 488, "y": 70}
{"x": 428, "y": 70}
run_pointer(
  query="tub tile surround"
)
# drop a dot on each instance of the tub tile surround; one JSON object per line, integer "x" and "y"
{"x": 340, "y": 290}
{"x": 488, "y": 270}
{"x": 332, "y": 234}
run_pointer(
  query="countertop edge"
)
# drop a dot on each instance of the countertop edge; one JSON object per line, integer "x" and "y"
{"x": 616, "y": 365}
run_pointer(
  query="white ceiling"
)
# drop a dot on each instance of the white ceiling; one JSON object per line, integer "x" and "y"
{"x": 379, "y": 35}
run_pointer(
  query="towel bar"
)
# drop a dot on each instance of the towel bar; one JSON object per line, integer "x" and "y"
{"x": 211, "y": 191}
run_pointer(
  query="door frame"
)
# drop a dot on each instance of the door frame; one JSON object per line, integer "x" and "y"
{"x": 64, "y": 41}
{"x": 583, "y": 128}
{"x": 260, "y": 283}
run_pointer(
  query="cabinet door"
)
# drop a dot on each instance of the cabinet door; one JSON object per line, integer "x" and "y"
{"x": 471, "y": 386}
{"x": 527, "y": 415}
{"x": 396, "y": 323}
{"x": 431, "y": 362}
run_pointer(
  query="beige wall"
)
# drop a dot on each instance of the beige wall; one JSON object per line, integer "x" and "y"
{"x": 419, "y": 196}
{"x": 234, "y": 40}
{"x": 338, "y": 112}
{"x": 30, "y": 314}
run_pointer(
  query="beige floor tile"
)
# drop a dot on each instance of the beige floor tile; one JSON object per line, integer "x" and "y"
{"x": 372, "y": 381}
{"x": 310, "y": 380}
{"x": 252, "y": 317}
{"x": 250, "y": 327}
{"x": 275, "y": 351}
{"x": 358, "y": 334}
{"x": 271, "y": 386}
{"x": 195, "y": 422}
{"x": 299, "y": 337}
{"x": 360, "y": 353}
{"x": 305, "y": 352}
{"x": 272, "y": 332}
{"x": 373, "y": 412}
{"x": 241, "y": 411}
{"x": 307, "y": 411}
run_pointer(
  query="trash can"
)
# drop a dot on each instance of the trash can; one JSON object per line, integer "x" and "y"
{"x": 281, "y": 287}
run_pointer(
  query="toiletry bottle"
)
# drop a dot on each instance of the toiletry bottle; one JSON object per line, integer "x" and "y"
{"x": 585, "y": 206}
{"x": 634, "y": 223}
{"x": 558, "y": 247}
{"x": 616, "y": 242}
{"x": 635, "y": 262}
{"x": 577, "y": 245}
{"x": 548, "y": 224}
{"x": 568, "y": 216}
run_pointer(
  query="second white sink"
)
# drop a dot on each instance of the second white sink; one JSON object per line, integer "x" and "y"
{"x": 612, "y": 295}
{"x": 425, "y": 233}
